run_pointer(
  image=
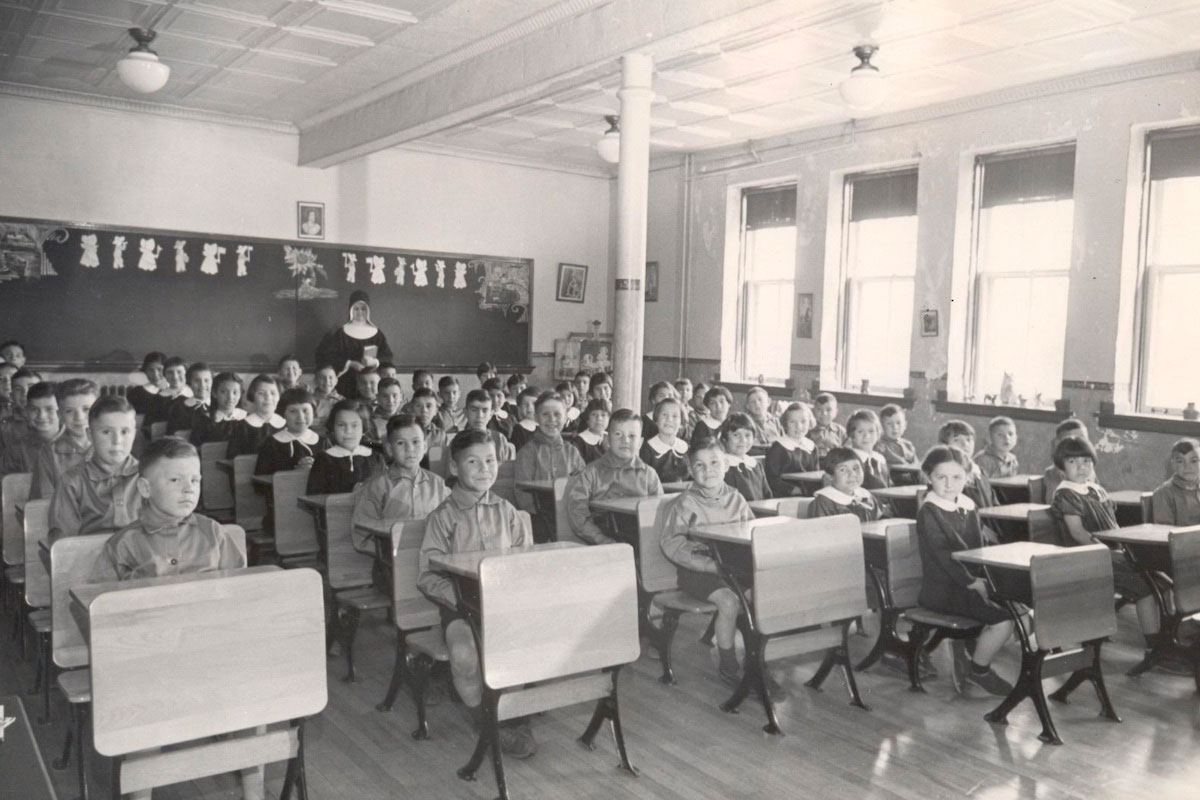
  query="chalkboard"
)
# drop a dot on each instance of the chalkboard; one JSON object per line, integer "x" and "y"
{"x": 73, "y": 296}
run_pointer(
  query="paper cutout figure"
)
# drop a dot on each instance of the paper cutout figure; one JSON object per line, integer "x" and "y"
{"x": 460, "y": 275}
{"x": 212, "y": 258}
{"x": 377, "y": 265}
{"x": 420, "y": 273}
{"x": 243, "y": 258}
{"x": 90, "y": 257}
{"x": 440, "y": 266}
{"x": 181, "y": 256}
{"x": 350, "y": 262}
{"x": 119, "y": 246}
{"x": 401, "y": 269}
{"x": 148, "y": 260}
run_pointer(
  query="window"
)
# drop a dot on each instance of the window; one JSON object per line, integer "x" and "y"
{"x": 1171, "y": 271}
{"x": 1024, "y": 211}
{"x": 766, "y": 280}
{"x": 879, "y": 258}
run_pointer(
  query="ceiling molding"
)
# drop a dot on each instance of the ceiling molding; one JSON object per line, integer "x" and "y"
{"x": 132, "y": 106}
{"x": 528, "y": 162}
{"x": 366, "y": 10}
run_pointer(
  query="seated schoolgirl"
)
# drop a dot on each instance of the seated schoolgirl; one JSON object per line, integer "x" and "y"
{"x": 592, "y": 439}
{"x": 666, "y": 451}
{"x": 862, "y": 434}
{"x": 224, "y": 413}
{"x": 793, "y": 451}
{"x": 717, "y": 402}
{"x": 1177, "y": 502}
{"x": 347, "y": 462}
{"x": 297, "y": 445}
{"x": 957, "y": 433}
{"x": 845, "y": 493}
{"x": 248, "y": 434}
{"x": 744, "y": 472}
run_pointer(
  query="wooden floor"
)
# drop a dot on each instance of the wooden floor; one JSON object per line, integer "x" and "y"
{"x": 919, "y": 747}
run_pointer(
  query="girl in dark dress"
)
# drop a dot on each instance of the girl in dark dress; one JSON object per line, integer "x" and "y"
{"x": 345, "y": 347}
{"x": 217, "y": 425}
{"x": 591, "y": 440}
{"x": 845, "y": 494}
{"x": 347, "y": 462}
{"x": 947, "y": 522}
{"x": 666, "y": 451}
{"x": 297, "y": 445}
{"x": 862, "y": 434}
{"x": 791, "y": 452}
{"x": 248, "y": 434}
{"x": 744, "y": 473}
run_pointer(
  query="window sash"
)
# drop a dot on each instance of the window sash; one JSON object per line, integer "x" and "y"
{"x": 999, "y": 348}
{"x": 888, "y": 370}
{"x": 1164, "y": 384}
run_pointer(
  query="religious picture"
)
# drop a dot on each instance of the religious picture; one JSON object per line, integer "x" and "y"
{"x": 651, "y": 281}
{"x": 572, "y": 282}
{"x": 804, "y": 315}
{"x": 929, "y": 322}
{"x": 310, "y": 220}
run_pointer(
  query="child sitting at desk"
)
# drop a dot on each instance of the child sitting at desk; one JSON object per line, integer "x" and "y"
{"x": 545, "y": 457}
{"x": 957, "y": 433}
{"x": 347, "y": 462}
{"x": 249, "y": 433}
{"x": 477, "y": 412}
{"x": 581, "y": 381}
{"x": 827, "y": 433}
{"x": 793, "y": 451}
{"x": 666, "y": 452}
{"x": 600, "y": 387}
{"x": 145, "y": 397}
{"x": 1177, "y": 502}
{"x": 403, "y": 490}
{"x": 592, "y": 439}
{"x": 709, "y": 500}
{"x": 175, "y": 374}
{"x": 845, "y": 493}
{"x": 484, "y": 372}
{"x": 658, "y": 392}
{"x": 472, "y": 518}
{"x": 217, "y": 425}
{"x": 450, "y": 416}
{"x": 502, "y": 422}
{"x": 758, "y": 408}
{"x": 617, "y": 473}
{"x": 862, "y": 434}
{"x": 946, "y": 523}
{"x": 290, "y": 373}
{"x": 12, "y": 352}
{"x": 997, "y": 459}
{"x": 526, "y": 422}
{"x": 717, "y": 402}
{"x": 388, "y": 400}
{"x": 70, "y": 447}
{"x": 366, "y": 390}
{"x": 1064, "y": 430}
{"x": 424, "y": 409}
{"x": 892, "y": 444}
{"x": 743, "y": 471}
{"x": 100, "y": 495}
{"x": 325, "y": 394}
{"x": 296, "y": 446}
{"x": 567, "y": 392}
{"x": 38, "y": 429}
{"x": 19, "y": 385}
{"x": 186, "y": 413}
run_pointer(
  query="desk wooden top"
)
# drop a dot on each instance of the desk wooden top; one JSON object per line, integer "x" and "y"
{"x": 1017, "y": 512}
{"x": 536, "y": 486}
{"x": 1128, "y": 497}
{"x": 84, "y": 596}
{"x": 467, "y": 564}
{"x": 877, "y": 529}
{"x": 899, "y": 492}
{"x": 381, "y": 530}
{"x": 225, "y": 464}
{"x": 263, "y": 480}
{"x": 619, "y": 505}
{"x": 766, "y": 508}
{"x": 1012, "y": 481}
{"x": 1147, "y": 533}
{"x": 735, "y": 532}
{"x": 1014, "y": 555}
{"x": 812, "y": 476}
{"x": 313, "y": 502}
{"x": 904, "y": 469}
{"x": 21, "y": 762}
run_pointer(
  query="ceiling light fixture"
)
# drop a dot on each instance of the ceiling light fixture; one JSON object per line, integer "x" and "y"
{"x": 140, "y": 69}
{"x": 864, "y": 90}
{"x": 609, "y": 146}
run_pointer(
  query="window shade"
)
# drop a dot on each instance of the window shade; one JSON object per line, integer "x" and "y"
{"x": 1028, "y": 177}
{"x": 770, "y": 208}
{"x": 891, "y": 194}
{"x": 1175, "y": 154}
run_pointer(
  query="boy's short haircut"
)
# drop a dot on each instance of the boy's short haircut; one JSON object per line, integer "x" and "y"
{"x": 347, "y": 404}
{"x": 197, "y": 366}
{"x": 484, "y": 368}
{"x": 446, "y": 381}
{"x": 1182, "y": 447}
{"x": 516, "y": 379}
{"x": 77, "y": 386}
{"x": 367, "y": 371}
{"x": 863, "y": 416}
{"x": 419, "y": 374}
{"x": 387, "y": 383}
{"x": 400, "y": 421}
{"x": 226, "y": 377}
{"x": 702, "y": 444}
{"x": 24, "y": 372}
{"x": 545, "y": 397}
{"x": 467, "y": 439}
{"x": 423, "y": 391}
{"x": 943, "y": 453}
{"x": 824, "y": 399}
{"x": 260, "y": 381}
{"x": 154, "y": 357}
{"x": 838, "y": 455}
{"x": 478, "y": 396}
{"x": 529, "y": 391}
{"x": 564, "y": 386}
{"x": 715, "y": 392}
{"x": 622, "y": 415}
{"x": 666, "y": 401}
{"x": 12, "y": 343}
{"x": 109, "y": 404}
{"x": 754, "y": 389}
{"x": 998, "y": 422}
{"x": 658, "y": 387}
{"x": 598, "y": 379}
{"x": 174, "y": 361}
{"x": 493, "y": 385}
{"x": 682, "y": 382}
{"x": 593, "y": 407}
{"x": 296, "y": 397}
{"x": 1068, "y": 425}
{"x": 384, "y": 366}
{"x": 163, "y": 448}
{"x": 323, "y": 367}
{"x": 889, "y": 411}
{"x": 955, "y": 427}
{"x": 44, "y": 389}
{"x": 798, "y": 408}
{"x": 287, "y": 358}
{"x": 581, "y": 374}
{"x": 736, "y": 421}
{"x": 1073, "y": 447}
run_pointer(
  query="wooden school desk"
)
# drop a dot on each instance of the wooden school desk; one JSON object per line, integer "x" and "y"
{"x": 1070, "y": 591}
{"x": 904, "y": 500}
{"x": 1016, "y": 522}
{"x": 1175, "y": 552}
{"x": 1133, "y": 506}
{"x": 22, "y": 767}
{"x": 809, "y": 482}
{"x": 904, "y": 474}
{"x": 622, "y": 516}
{"x": 893, "y": 562}
{"x": 1013, "y": 488}
{"x": 543, "y": 500}
{"x": 781, "y": 507}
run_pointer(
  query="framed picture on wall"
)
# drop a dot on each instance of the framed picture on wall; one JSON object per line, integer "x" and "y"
{"x": 595, "y": 352}
{"x": 310, "y": 220}
{"x": 651, "y": 281}
{"x": 566, "y": 359}
{"x": 804, "y": 315}
{"x": 929, "y": 322}
{"x": 572, "y": 283}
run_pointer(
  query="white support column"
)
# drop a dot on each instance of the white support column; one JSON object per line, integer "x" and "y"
{"x": 633, "y": 176}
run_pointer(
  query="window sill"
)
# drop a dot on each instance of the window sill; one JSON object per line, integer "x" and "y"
{"x": 1146, "y": 423}
{"x": 905, "y": 400}
{"x": 774, "y": 388}
{"x": 1061, "y": 410}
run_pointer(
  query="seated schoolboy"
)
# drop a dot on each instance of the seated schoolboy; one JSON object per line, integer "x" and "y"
{"x": 1177, "y": 502}
{"x": 515, "y": 384}
{"x": 387, "y": 370}
{"x": 684, "y": 392}
{"x": 617, "y": 473}
{"x": 6, "y": 403}
{"x": 145, "y": 397}
{"x": 896, "y": 450}
{"x": 827, "y": 433}
{"x": 743, "y": 471}
{"x": 403, "y": 490}
{"x": 388, "y": 400}
{"x": 545, "y": 457}
{"x": 19, "y": 385}
{"x": 472, "y": 518}
{"x": 248, "y": 434}
{"x": 484, "y": 372}
{"x": 708, "y": 500}
{"x": 717, "y": 402}
{"x": 217, "y": 425}
{"x": 600, "y": 387}
{"x": 100, "y": 495}
{"x": 845, "y": 493}
{"x": 658, "y": 392}
{"x": 185, "y": 413}
{"x": 567, "y": 392}
{"x": 666, "y": 451}
{"x": 424, "y": 406}
{"x": 347, "y": 462}
{"x": 325, "y": 394}
{"x": 12, "y": 352}
{"x": 501, "y": 421}
{"x": 450, "y": 416}
{"x": 38, "y": 429}
{"x": 423, "y": 379}
{"x": 862, "y": 434}
{"x": 477, "y": 410}
{"x": 526, "y": 422}
{"x": 699, "y": 392}
{"x": 581, "y": 382}
{"x": 1081, "y": 507}
{"x": 758, "y": 408}
{"x": 957, "y": 433}
{"x": 366, "y": 387}
{"x": 997, "y": 459}
{"x": 592, "y": 438}
{"x": 290, "y": 373}
{"x": 297, "y": 445}
{"x": 792, "y": 451}
{"x": 947, "y": 522}
{"x": 73, "y": 445}
{"x": 1064, "y": 430}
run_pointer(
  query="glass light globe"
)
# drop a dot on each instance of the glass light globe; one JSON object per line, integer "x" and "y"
{"x": 143, "y": 72}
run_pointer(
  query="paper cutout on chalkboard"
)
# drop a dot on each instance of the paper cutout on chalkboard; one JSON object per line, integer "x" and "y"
{"x": 350, "y": 263}
{"x": 304, "y": 265}
{"x": 420, "y": 273}
{"x": 119, "y": 245}
{"x": 440, "y": 266}
{"x": 151, "y": 250}
{"x": 181, "y": 256}
{"x": 243, "y": 258}
{"x": 401, "y": 269}
{"x": 21, "y": 250}
{"x": 212, "y": 258}
{"x": 377, "y": 265}
{"x": 460, "y": 275}
{"x": 90, "y": 257}
{"x": 503, "y": 286}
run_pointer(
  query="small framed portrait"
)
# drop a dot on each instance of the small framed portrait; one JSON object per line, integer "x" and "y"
{"x": 566, "y": 358}
{"x": 804, "y": 315}
{"x": 572, "y": 282}
{"x": 310, "y": 220}
{"x": 651, "y": 281}
{"x": 929, "y": 322}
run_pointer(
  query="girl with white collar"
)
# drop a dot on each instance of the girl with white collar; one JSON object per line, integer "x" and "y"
{"x": 249, "y": 432}
{"x": 666, "y": 452}
{"x": 845, "y": 493}
{"x": 592, "y": 441}
{"x": 347, "y": 462}
{"x": 792, "y": 451}
{"x": 744, "y": 472}
{"x": 948, "y": 522}
{"x": 218, "y": 424}
{"x": 862, "y": 434}
{"x": 297, "y": 445}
